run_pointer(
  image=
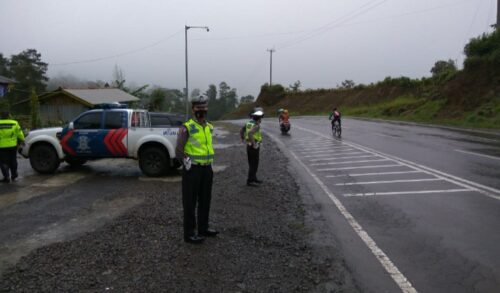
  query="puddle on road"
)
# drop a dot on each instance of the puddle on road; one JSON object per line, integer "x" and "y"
{"x": 219, "y": 132}
{"x": 178, "y": 178}
{"x": 37, "y": 189}
{"x": 161, "y": 179}
{"x": 224, "y": 145}
{"x": 101, "y": 212}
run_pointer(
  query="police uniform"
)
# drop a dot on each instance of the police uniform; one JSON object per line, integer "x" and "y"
{"x": 253, "y": 137}
{"x": 10, "y": 135}
{"x": 195, "y": 142}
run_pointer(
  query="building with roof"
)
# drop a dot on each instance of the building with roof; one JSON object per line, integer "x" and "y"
{"x": 5, "y": 84}
{"x": 62, "y": 105}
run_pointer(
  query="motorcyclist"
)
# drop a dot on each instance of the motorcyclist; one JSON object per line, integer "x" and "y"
{"x": 283, "y": 118}
{"x": 335, "y": 116}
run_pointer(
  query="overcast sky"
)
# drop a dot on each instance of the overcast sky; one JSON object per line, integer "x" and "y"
{"x": 319, "y": 42}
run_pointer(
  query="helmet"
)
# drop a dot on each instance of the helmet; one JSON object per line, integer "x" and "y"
{"x": 201, "y": 100}
{"x": 257, "y": 113}
{"x": 285, "y": 111}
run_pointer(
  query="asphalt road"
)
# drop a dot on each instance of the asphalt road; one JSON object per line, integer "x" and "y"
{"x": 415, "y": 208}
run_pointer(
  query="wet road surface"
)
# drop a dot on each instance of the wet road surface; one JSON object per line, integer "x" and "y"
{"x": 38, "y": 210}
{"x": 415, "y": 208}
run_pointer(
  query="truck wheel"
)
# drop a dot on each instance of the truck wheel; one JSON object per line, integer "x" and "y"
{"x": 75, "y": 162}
{"x": 153, "y": 161}
{"x": 44, "y": 159}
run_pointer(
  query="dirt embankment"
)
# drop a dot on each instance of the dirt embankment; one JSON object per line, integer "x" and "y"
{"x": 266, "y": 242}
{"x": 470, "y": 98}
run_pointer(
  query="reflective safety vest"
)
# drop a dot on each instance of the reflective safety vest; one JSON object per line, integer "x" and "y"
{"x": 199, "y": 144}
{"x": 10, "y": 133}
{"x": 257, "y": 136}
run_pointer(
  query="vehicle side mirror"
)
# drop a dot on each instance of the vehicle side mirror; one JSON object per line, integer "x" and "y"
{"x": 71, "y": 125}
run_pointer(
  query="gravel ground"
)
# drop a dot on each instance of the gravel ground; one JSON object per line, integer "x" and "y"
{"x": 272, "y": 240}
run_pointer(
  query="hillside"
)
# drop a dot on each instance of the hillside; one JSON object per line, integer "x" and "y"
{"x": 468, "y": 97}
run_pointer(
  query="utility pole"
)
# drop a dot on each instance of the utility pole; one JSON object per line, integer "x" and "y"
{"x": 271, "y": 51}
{"x": 498, "y": 15}
{"x": 186, "y": 97}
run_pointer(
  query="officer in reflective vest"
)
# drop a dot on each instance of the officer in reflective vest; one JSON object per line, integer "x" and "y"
{"x": 10, "y": 136}
{"x": 194, "y": 148}
{"x": 253, "y": 139}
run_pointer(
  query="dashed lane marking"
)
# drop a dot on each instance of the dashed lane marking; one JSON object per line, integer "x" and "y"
{"x": 477, "y": 154}
{"x": 408, "y": 192}
{"x": 340, "y": 158}
{"x": 402, "y": 282}
{"x": 333, "y": 156}
{"x": 334, "y": 151}
{"x": 374, "y": 174}
{"x": 348, "y": 162}
{"x": 480, "y": 188}
{"x": 359, "y": 167}
{"x": 390, "y": 181}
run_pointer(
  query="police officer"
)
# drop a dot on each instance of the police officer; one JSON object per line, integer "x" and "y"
{"x": 195, "y": 150}
{"x": 10, "y": 135}
{"x": 253, "y": 139}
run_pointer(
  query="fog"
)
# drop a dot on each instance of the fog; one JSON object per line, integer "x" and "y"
{"x": 319, "y": 42}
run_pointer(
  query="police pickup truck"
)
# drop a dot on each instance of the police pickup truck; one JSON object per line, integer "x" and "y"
{"x": 104, "y": 133}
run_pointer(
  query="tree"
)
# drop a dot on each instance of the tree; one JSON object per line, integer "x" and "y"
{"x": 295, "y": 87}
{"x": 211, "y": 93}
{"x": 29, "y": 71}
{"x": 348, "y": 84}
{"x": 4, "y": 69}
{"x": 118, "y": 77}
{"x": 442, "y": 67}
{"x": 247, "y": 99}
{"x": 34, "y": 111}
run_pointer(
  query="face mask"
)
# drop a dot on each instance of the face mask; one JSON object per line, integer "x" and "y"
{"x": 200, "y": 114}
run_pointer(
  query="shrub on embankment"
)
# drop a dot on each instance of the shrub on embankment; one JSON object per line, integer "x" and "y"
{"x": 468, "y": 97}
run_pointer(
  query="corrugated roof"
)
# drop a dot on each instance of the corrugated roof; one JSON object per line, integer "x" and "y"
{"x": 101, "y": 96}
{"x": 4, "y": 79}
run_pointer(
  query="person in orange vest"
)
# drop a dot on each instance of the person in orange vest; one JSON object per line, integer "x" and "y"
{"x": 10, "y": 136}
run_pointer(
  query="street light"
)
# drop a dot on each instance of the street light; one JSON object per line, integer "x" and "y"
{"x": 187, "y": 87}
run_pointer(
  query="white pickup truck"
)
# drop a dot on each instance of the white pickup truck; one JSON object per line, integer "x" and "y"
{"x": 104, "y": 133}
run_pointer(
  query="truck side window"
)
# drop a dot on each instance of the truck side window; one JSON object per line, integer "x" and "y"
{"x": 135, "y": 119}
{"x": 89, "y": 121}
{"x": 113, "y": 120}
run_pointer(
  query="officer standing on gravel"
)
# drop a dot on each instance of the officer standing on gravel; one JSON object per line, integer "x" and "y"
{"x": 253, "y": 139}
{"x": 10, "y": 135}
{"x": 195, "y": 150}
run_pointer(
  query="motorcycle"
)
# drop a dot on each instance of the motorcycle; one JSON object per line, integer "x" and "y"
{"x": 284, "y": 127}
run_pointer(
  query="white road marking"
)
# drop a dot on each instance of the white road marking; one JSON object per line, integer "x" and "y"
{"x": 407, "y": 192}
{"x": 482, "y": 189}
{"x": 339, "y": 158}
{"x": 330, "y": 151}
{"x": 322, "y": 149}
{"x": 359, "y": 167}
{"x": 330, "y": 155}
{"x": 390, "y": 181}
{"x": 373, "y": 174}
{"x": 478, "y": 154}
{"x": 403, "y": 283}
{"x": 348, "y": 162}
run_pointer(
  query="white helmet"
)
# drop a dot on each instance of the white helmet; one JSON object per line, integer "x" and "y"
{"x": 201, "y": 100}
{"x": 257, "y": 113}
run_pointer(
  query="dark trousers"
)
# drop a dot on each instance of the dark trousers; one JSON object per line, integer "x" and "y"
{"x": 253, "y": 163}
{"x": 8, "y": 162}
{"x": 196, "y": 188}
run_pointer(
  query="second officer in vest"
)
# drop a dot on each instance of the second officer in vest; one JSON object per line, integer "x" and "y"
{"x": 253, "y": 139}
{"x": 195, "y": 150}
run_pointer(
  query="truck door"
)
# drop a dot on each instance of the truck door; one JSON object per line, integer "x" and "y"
{"x": 115, "y": 134}
{"x": 84, "y": 140}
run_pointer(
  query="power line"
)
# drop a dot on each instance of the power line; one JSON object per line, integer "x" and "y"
{"x": 119, "y": 54}
{"x": 333, "y": 24}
